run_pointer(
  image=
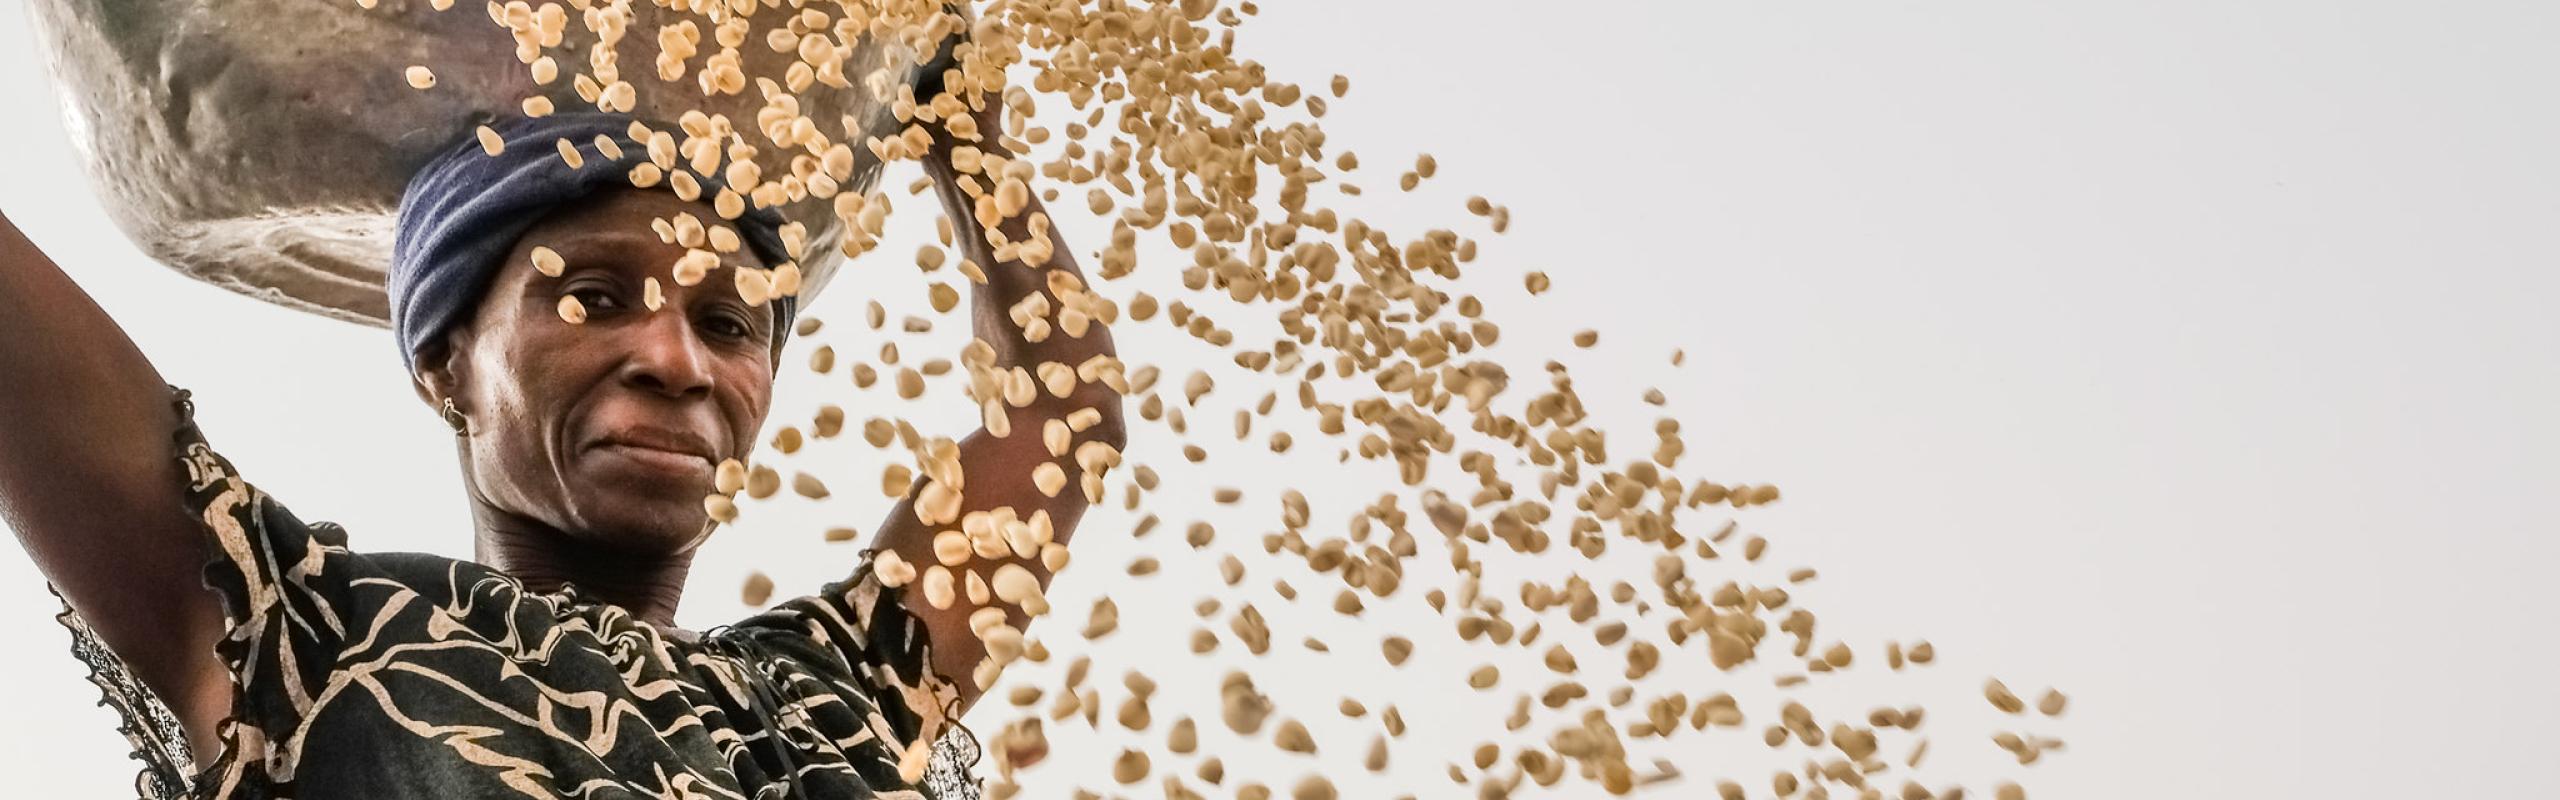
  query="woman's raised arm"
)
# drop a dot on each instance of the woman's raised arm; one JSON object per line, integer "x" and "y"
{"x": 1031, "y": 315}
{"x": 91, "y": 485}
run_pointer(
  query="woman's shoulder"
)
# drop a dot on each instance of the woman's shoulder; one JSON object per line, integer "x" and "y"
{"x": 408, "y": 567}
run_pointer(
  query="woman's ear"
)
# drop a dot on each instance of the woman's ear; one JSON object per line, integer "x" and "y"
{"x": 431, "y": 385}
{"x": 435, "y": 377}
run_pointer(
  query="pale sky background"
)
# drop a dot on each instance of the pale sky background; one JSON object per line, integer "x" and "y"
{"x": 2193, "y": 357}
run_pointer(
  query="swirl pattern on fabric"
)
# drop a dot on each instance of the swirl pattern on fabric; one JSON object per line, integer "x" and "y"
{"x": 409, "y": 675}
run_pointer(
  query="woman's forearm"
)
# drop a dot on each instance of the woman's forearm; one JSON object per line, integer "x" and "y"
{"x": 81, "y": 412}
{"x": 71, "y": 382}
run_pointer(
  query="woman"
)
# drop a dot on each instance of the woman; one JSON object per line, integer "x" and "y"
{"x": 263, "y": 649}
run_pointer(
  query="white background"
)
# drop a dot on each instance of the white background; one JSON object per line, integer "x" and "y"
{"x": 2193, "y": 357}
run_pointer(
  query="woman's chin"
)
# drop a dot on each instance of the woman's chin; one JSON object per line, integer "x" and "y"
{"x": 646, "y": 524}
{"x": 669, "y": 506}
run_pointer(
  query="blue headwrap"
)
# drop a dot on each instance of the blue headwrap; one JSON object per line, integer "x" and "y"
{"x": 464, "y": 211}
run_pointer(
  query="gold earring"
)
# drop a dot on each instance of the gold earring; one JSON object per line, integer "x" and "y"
{"x": 453, "y": 417}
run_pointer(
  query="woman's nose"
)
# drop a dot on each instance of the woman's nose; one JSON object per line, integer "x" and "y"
{"x": 666, "y": 356}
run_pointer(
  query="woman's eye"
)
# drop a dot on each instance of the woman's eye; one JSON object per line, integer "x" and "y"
{"x": 596, "y": 298}
{"x": 725, "y": 325}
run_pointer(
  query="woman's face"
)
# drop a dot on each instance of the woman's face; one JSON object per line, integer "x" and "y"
{"x": 611, "y": 430}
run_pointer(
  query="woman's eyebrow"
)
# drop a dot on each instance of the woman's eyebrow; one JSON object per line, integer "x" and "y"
{"x": 617, "y": 248}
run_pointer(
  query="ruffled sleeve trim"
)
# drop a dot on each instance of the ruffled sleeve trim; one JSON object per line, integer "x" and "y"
{"x": 284, "y": 597}
{"x": 157, "y": 739}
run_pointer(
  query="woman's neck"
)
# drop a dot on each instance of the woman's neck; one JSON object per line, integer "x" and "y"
{"x": 542, "y": 558}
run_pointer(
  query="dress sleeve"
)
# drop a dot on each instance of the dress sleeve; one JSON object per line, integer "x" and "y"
{"x": 285, "y": 597}
{"x": 887, "y": 652}
{"x": 283, "y": 586}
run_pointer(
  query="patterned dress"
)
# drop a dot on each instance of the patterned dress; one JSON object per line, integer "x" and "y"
{"x": 406, "y": 675}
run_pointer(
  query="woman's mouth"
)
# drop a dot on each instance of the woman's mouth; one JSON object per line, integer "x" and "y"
{"x": 665, "y": 460}
{"x": 659, "y": 450}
